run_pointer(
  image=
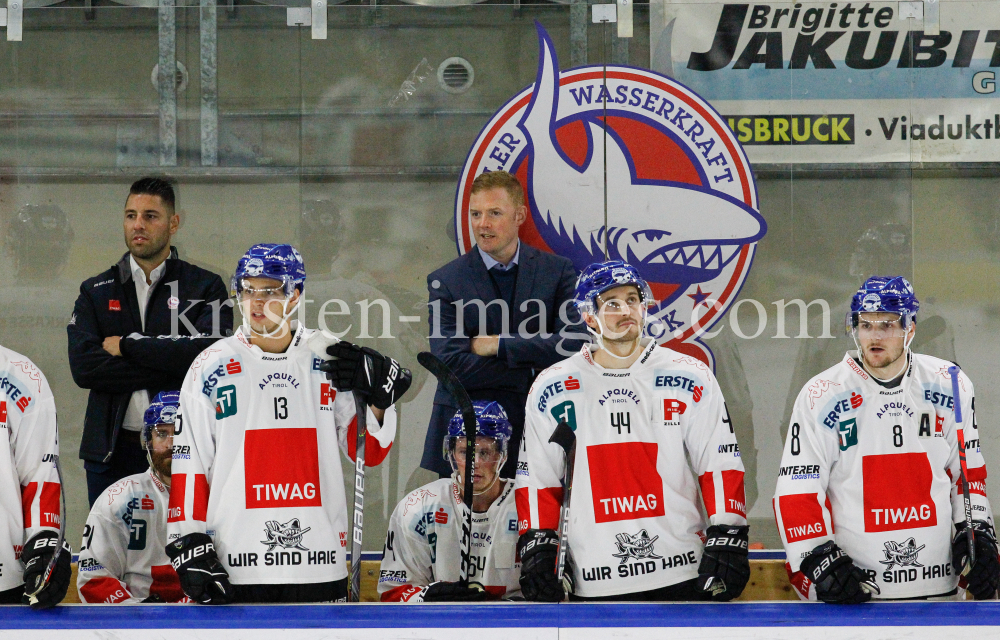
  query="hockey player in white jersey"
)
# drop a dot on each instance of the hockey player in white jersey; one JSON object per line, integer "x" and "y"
{"x": 122, "y": 557}
{"x": 651, "y": 426}
{"x": 869, "y": 498}
{"x": 29, "y": 489}
{"x": 422, "y": 554}
{"x": 257, "y": 505}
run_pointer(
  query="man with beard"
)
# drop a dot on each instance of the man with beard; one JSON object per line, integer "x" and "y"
{"x": 122, "y": 557}
{"x": 654, "y": 427}
{"x": 135, "y": 330}
{"x": 869, "y": 500}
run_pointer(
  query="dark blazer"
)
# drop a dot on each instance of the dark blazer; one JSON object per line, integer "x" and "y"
{"x": 541, "y": 276}
{"x": 155, "y": 360}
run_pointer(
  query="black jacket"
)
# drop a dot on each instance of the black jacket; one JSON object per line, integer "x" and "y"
{"x": 157, "y": 361}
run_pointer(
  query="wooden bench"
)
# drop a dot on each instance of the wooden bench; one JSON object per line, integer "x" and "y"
{"x": 768, "y": 581}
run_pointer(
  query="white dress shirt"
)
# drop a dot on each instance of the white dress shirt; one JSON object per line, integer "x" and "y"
{"x": 140, "y": 399}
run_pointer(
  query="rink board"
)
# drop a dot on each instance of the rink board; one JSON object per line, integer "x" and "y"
{"x": 505, "y": 621}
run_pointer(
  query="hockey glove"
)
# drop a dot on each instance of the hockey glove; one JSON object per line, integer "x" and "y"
{"x": 455, "y": 592}
{"x": 36, "y": 556}
{"x": 378, "y": 377}
{"x": 725, "y": 565}
{"x": 538, "y": 550}
{"x": 202, "y": 576}
{"x": 984, "y": 576}
{"x": 838, "y": 580}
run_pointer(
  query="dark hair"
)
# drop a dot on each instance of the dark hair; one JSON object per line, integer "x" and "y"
{"x": 154, "y": 187}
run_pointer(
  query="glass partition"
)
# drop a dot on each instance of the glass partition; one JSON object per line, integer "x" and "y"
{"x": 353, "y": 147}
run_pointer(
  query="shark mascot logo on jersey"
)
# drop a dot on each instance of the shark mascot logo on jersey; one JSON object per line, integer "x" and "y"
{"x": 681, "y": 199}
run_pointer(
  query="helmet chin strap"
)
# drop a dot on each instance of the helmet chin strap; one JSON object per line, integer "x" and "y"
{"x": 600, "y": 339}
{"x": 864, "y": 362}
{"x": 496, "y": 476}
{"x": 285, "y": 314}
{"x": 156, "y": 472}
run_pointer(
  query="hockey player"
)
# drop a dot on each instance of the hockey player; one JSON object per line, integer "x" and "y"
{"x": 869, "y": 486}
{"x": 29, "y": 490}
{"x": 122, "y": 557}
{"x": 421, "y": 558}
{"x": 640, "y": 413}
{"x": 261, "y": 498}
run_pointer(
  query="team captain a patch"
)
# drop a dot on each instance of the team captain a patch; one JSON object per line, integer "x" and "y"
{"x": 681, "y": 199}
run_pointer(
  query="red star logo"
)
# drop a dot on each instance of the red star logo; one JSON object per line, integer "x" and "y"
{"x": 699, "y": 296}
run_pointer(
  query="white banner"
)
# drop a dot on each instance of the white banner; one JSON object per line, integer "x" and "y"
{"x": 842, "y": 82}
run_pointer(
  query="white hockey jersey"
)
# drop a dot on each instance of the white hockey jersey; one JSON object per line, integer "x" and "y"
{"x": 256, "y": 461}
{"x": 635, "y": 520}
{"x": 877, "y": 471}
{"x": 424, "y": 542}
{"x": 122, "y": 556}
{"x": 29, "y": 446}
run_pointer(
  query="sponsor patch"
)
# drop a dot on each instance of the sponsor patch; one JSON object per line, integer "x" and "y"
{"x": 801, "y": 516}
{"x": 624, "y": 481}
{"x": 281, "y": 468}
{"x": 897, "y": 492}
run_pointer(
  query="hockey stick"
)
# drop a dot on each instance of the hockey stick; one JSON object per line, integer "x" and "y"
{"x": 565, "y": 438}
{"x": 971, "y": 560}
{"x": 33, "y": 596}
{"x": 447, "y": 379}
{"x": 357, "y": 533}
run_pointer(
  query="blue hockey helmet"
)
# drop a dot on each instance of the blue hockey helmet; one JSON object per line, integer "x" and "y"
{"x": 599, "y": 277}
{"x": 280, "y": 262}
{"x": 491, "y": 422}
{"x": 163, "y": 410}
{"x": 885, "y": 294}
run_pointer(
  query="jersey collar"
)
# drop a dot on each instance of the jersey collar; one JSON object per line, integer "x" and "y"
{"x": 588, "y": 349}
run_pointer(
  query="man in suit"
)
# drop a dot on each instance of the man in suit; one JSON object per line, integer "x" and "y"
{"x": 135, "y": 330}
{"x": 499, "y": 314}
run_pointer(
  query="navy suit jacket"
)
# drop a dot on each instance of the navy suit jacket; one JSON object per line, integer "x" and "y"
{"x": 543, "y": 277}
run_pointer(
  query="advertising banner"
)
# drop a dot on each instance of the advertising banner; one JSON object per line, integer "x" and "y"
{"x": 841, "y": 82}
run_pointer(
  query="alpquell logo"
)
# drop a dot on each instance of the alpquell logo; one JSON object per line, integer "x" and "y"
{"x": 681, "y": 199}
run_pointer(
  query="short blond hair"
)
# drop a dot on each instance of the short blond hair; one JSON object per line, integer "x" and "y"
{"x": 500, "y": 180}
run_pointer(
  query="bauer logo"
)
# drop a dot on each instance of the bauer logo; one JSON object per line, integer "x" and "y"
{"x": 681, "y": 199}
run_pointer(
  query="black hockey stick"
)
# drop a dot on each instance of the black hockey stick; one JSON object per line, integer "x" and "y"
{"x": 357, "y": 533}
{"x": 447, "y": 379}
{"x": 969, "y": 534}
{"x": 47, "y": 576}
{"x": 565, "y": 438}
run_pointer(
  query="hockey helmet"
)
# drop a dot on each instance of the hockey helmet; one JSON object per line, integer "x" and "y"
{"x": 163, "y": 410}
{"x": 599, "y": 277}
{"x": 884, "y": 294}
{"x": 491, "y": 422}
{"x": 280, "y": 262}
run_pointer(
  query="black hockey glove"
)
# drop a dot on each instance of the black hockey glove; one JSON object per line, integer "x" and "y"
{"x": 36, "y": 556}
{"x": 538, "y": 550}
{"x": 378, "y": 377}
{"x": 838, "y": 580}
{"x": 725, "y": 565}
{"x": 202, "y": 576}
{"x": 984, "y": 577}
{"x": 154, "y": 598}
{"x": 455, "y": 592}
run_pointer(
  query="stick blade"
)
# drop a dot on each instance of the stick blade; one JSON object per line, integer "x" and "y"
{"x": 563, "y": 436}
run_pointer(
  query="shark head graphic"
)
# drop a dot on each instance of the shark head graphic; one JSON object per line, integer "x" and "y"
{"x": 625, "y": 164}
{"x": 674, "y": 233}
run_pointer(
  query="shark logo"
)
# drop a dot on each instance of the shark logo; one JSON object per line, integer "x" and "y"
{"x": 902, "y": 553}
{"x": 680, "y": 198}
{"x": 286, "y": 536}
